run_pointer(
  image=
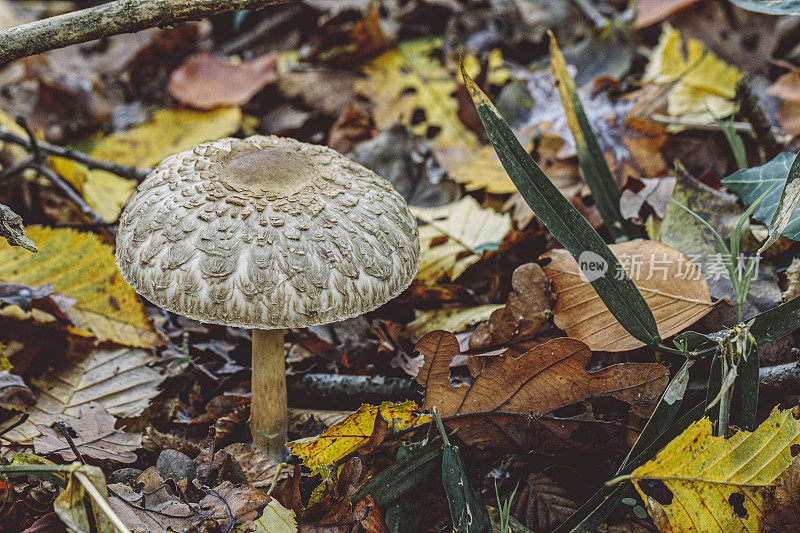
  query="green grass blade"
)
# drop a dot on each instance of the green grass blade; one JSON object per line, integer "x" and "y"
{"x": 777, "y": 322}
{"x": 565, "y": 223}
{"x": 605, "y": 191}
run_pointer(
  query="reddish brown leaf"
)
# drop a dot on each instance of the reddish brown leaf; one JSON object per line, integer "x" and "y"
{"x": 673, "y": 287}
{"x": 379, "y": 432}
{"x": 514, "y": 402}
{"x": 207, "y": 81}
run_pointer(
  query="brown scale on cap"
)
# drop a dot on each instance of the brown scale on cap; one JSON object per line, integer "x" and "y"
{"x": 266, "y": 233}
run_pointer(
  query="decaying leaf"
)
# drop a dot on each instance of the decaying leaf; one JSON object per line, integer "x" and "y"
{"x": 344, "y": 438}
{"x": 514, "y": 402}
{"x": 455, "y": 319}
{"x": 169, "y": 131}
{"x": 408, "y": 83}
{"x": 230, "y": 505}
{"x": 455, "y": 236}
{"x": 94, "y": 437}
{"x": 276, "y": 519}
{"x": 782, "y": 502}
{"x": 673, "y": 287}
{"x": 528, "y": 307}
{"x": 80, "y": 266}
{"x": 206, "y": 81}
{"x": 259, "y": 467}
{"x": 151, "y": 509}
{"x": 656, "y": 193}
{"x": 14, "y": 394}
{"x": 542, "y": 504}
{"x": 698, "y": 79}
{"x": 119, "y": 379}
{"x": 700, "y": 482}
{"x": 71, "y": 505}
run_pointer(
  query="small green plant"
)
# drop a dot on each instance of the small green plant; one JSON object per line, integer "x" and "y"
{"x": 505, "y": 508}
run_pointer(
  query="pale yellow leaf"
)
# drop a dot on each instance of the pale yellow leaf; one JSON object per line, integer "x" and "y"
{"x": 453, "y": 319}
{"x": 80, "y": 266}
{"x": 455, "y": 236}
{"x": 276, "y": 519}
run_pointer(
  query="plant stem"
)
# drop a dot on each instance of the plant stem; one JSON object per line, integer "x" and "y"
{"x": 724, "y": 402}
{"x": 101, "y": 502}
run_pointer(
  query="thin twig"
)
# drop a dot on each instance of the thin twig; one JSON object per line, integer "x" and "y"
{"x": 111, "y": 18}
{"x": 101, "y": 501}
{"x": 62, "y": 427}
{"x": 125, "y": 171}
{"x": 67, "y": 190}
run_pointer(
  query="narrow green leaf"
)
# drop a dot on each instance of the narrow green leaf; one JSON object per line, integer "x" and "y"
{"x": 605, "y": 191}
{"x": 786, "y": 206}
{"x": 745, "y": 391}
{"x": 770, "y": 7}
{"x": 566, "y": 224}
{"x": 777, "y": 322}
{"x": 389, "y": 485}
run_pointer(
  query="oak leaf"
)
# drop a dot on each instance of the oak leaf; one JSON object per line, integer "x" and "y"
{"x": 455, "y": 236}
{"x": 515, "y": 402}
{"x": 151, "y": 509}
{"x": 673, "y": 287}
{"x": 230, "y": 505}
{"x": 344, "y": 438}
{"x": 700, "y": 482}
{"x": 94, "y": 437}
{"x": 80, "y": 266}
{"x": 542, "y": 504}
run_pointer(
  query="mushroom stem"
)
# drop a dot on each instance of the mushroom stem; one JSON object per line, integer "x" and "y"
{"x": 268, "y": 404}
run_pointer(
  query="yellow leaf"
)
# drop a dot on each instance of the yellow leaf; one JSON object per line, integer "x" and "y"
{"x": 455, "y": 237}
{"x": 701, "y": 78}
{"x": 350, "y": 434}
{"x": 699, "y": 482}
{"x": 82, "y": 267}
{"x": 453, "y": 319}
{"x": 276, "y": 519}
{"x": 409, "y": 85}
{"x": 169, "y": 131}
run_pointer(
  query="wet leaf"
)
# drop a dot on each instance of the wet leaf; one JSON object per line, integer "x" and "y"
{"x": 698, "y": 79}
{"x": 707, "y": 483}
{"x": 344, "y": 438}
{"x": 513, "y": 403}
{"x": 169, "y": 131}
{"x": 672, "y": 286}
{"x": 80, "y": 266}
{"x": 94, "y": 437}
{"x": 207, "y": 81}
{"x": 455, "y": 236}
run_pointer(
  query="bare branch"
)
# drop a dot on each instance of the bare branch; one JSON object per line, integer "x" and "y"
{"x": 112, "y": 18}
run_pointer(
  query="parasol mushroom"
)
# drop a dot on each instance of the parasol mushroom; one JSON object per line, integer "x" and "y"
{"x": 266, "y": 233}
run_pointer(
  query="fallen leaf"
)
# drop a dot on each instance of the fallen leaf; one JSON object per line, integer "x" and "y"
{"x": 698, "y": 79}
{"x": 648, "y": 12}
{"x": 344, "y": 438}
{"x": 151, "y": 509}
{"x": 782, "y": 502}
{"x": 528, "y": 308}
{"x": 276, "y": 519}
{"x": 454, "y": 319}
{"x": 259, "y": 467}
{"x": 787, "y": 90}
{"x": 80, "y": 266}
{"x": 119, "y": 379}
{"x": 542, "y": 504}
{"x": 513, "y": 403}
{"x": 673, "y": 287}
{"x": 14, "y": 394}
{"x": 168, "y": 131}
{"x": 207, "y": 81}
{"x": 455, "y": 236}
{"x": 656, "y": 193}
{"x": 331, "y": 502}
{"x": 701, "y": 482}
{"x": 228, "y": 505}
{"x": 70, "y": 503}
{"x": 94, "y": 437}
{"x": 409, "y": 85}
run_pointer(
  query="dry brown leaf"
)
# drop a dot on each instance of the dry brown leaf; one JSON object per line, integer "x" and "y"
{"x": 229, "y": 505}
{"x": 513, "y": 402}
{"x": 673, "y": 287}
{"x": 455, "y": 319}
{"x": 14, "y": 394}
{"x": 94, "y": 437}
{"x": 782, "y": 502}
{"x": 787, "y": 89}
{"x": 542, "y": 504}
{"x": 152, "y": 509}
{"x": 207, "y": 81}
{"x": 528, "y": 307}
{"x": 258, "y": 466}
{"x": 120, "y": 379}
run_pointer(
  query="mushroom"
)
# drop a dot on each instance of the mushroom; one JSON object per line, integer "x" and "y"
{"x": 266, "y": 233}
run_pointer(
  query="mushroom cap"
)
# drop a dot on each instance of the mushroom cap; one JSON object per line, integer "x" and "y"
{"x": 266, "y": 233}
